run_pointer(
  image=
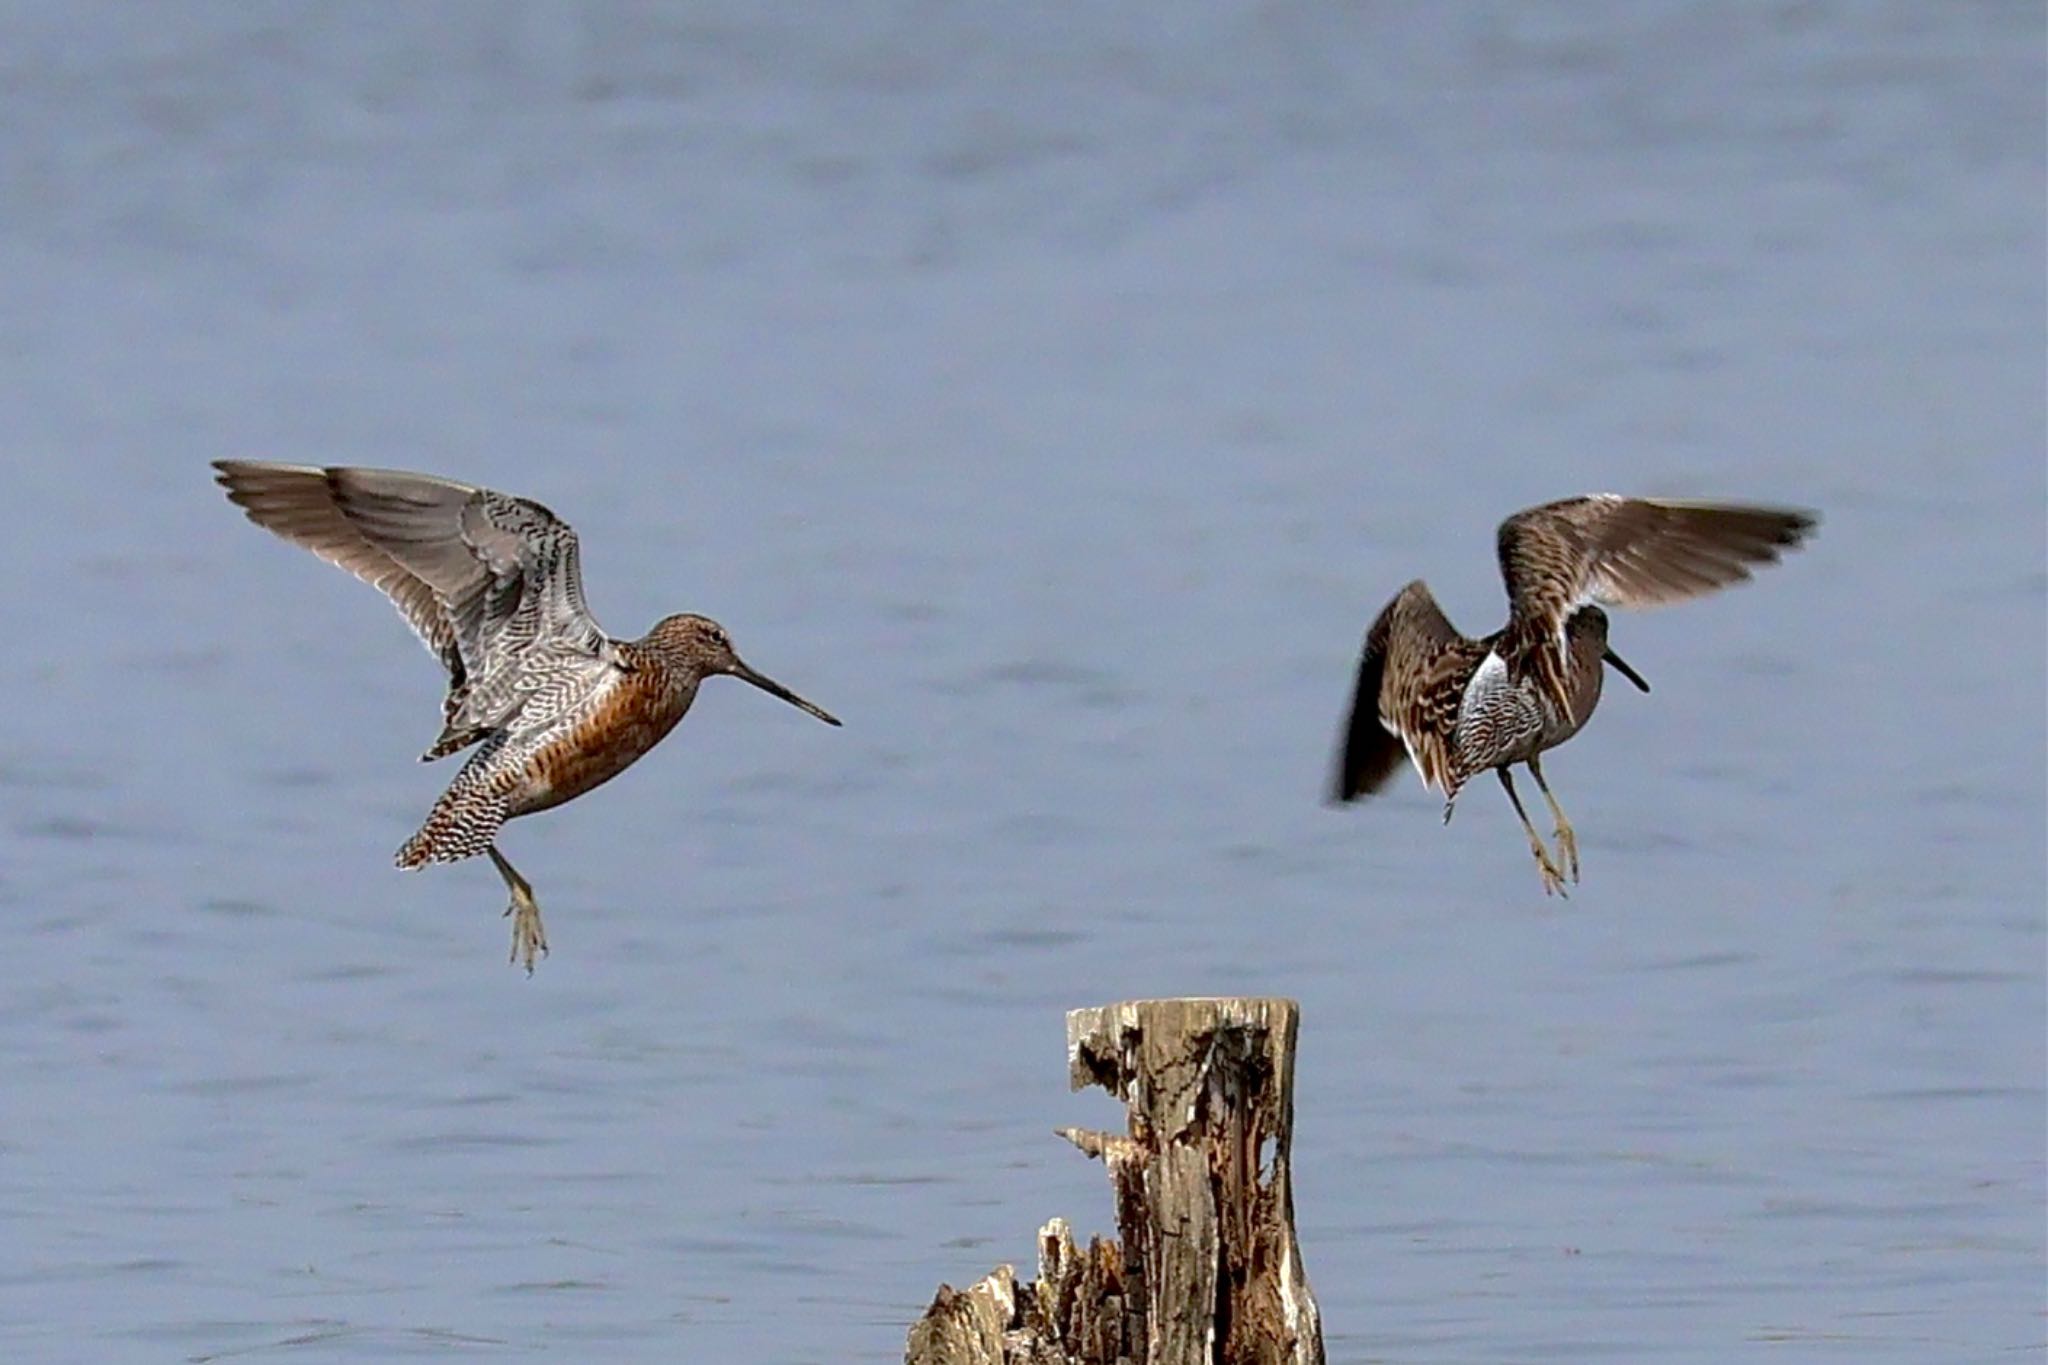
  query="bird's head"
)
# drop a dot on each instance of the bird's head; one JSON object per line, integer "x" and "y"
{"x": 1588, "y": 624}
{"x": 1588, "y": 630}
{"x": 700, "y": 647}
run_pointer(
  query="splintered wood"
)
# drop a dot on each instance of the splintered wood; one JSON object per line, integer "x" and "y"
{"x": 1206, "y": 1269}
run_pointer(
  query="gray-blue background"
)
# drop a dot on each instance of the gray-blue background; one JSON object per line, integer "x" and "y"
{"x": 1055, "y": 392}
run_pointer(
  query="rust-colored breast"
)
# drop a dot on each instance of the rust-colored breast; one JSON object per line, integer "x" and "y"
{"x": 621, "y": 724}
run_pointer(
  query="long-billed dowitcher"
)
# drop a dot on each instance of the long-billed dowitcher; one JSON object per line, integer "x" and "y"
{"x": 492, "y": 586}
{"x": 1456, "y": 706}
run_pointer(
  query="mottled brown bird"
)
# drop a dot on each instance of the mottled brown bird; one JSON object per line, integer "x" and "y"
{"x": 492, "y": 586}
{"x": 1456, "y": 706}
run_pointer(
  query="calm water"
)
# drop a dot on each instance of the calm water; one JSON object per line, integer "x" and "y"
{"x": 1055, "y": 397}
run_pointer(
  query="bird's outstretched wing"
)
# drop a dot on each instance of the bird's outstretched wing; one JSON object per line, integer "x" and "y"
{"x": 489, "y": 581}
{"x": 1411, "y": 679}
{"x": 1624, "y": 552}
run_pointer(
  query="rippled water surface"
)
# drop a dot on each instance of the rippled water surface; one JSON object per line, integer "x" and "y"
{"x": 1055, "y": 397}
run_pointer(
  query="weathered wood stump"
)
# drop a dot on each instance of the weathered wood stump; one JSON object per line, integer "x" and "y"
{"x": 1206, "y": 1269}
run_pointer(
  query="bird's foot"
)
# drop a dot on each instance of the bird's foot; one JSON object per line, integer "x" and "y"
{"x": 528, "y": 937}
{"x": 1568, "y": 850}
{"x": 1553, "y": 878}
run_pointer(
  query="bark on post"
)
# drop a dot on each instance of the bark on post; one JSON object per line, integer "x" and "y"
{"x": 1206, "y": 1269}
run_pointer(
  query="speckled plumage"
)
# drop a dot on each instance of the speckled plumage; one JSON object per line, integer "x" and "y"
{"x": 1457, "y": 706}
{"x": 493, "y": 587}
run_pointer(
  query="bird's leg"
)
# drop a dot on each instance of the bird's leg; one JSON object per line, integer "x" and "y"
{"x": 528, "y": 938}
{"x": 1553, "y": 880}
{"x": 1567, "y": 842}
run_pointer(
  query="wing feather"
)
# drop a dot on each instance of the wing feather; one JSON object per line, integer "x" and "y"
{"x": 292, "y": 501}
{"x": 1625, "y": 552}
{"x": 491, "y": 581}
{"x": 1411, "y": 677}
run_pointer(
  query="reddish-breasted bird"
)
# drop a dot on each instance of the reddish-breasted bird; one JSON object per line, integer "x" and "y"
{"x": 491, "y": 585}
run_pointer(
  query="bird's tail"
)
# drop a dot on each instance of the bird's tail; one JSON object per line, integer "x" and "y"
{"x": 461, "y": 825}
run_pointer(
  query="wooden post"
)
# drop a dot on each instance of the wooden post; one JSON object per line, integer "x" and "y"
{"x": 1206, "y": 1269}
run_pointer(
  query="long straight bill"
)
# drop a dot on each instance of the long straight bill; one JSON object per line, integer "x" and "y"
{"x": 776, "y": 689}
{"x": 1621, "y": 667}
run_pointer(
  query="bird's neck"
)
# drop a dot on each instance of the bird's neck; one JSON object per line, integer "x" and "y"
{"x": 667, "y": 670}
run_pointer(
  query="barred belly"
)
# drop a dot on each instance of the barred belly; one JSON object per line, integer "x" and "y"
{"x": 1498, "y": 721}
